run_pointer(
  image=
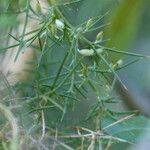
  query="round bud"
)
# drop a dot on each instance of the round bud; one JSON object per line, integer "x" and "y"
{"x": 89, "y": 52}
{"x": 59, "y": 24}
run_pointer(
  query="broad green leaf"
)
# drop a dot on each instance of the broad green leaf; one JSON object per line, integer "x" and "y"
{"x": 129, "y": 129}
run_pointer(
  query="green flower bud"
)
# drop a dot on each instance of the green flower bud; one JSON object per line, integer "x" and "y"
{"x": 89, "y": 23}
{"x": 53, "y": 29}
{"x": 99, "y": 36}
{"x": 38, "y": 7}
{"x": 118, "y": 64}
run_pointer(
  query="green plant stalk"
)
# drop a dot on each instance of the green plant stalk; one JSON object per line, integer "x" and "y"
{"x": 13, "y": 122}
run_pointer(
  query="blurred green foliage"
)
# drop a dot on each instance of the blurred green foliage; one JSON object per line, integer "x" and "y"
{"x": 125, "y": 21}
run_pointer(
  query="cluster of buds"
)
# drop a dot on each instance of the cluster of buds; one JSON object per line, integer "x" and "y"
{"x": 56, "y": 26}
{"x": 99, "y": 36}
